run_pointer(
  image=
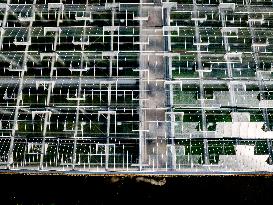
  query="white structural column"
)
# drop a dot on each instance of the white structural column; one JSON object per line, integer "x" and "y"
{"x": 79, "y": 95}
{"x": 200, "y": 70}
{"x": 51, "y": 84}
{"x": 142, "y": 96}
{"x": 20, "y": 88}
{"x": 109, "y": 112}
{"x": 223, "y": 7}
{"x": 168, "y": 84}
{"x": 47, "y": 115}
{"x": 4, "y": 22}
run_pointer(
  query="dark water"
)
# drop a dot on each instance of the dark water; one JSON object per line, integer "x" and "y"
{"x": 55, "y": 190}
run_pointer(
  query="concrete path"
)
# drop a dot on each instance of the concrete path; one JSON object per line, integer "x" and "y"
{"x": 153, "y": 140}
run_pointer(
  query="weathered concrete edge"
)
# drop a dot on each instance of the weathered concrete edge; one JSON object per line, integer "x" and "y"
{"x": 133, "y": 174}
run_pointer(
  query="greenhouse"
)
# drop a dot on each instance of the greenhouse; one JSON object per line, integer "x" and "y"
{"x": 158, "y": 86}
